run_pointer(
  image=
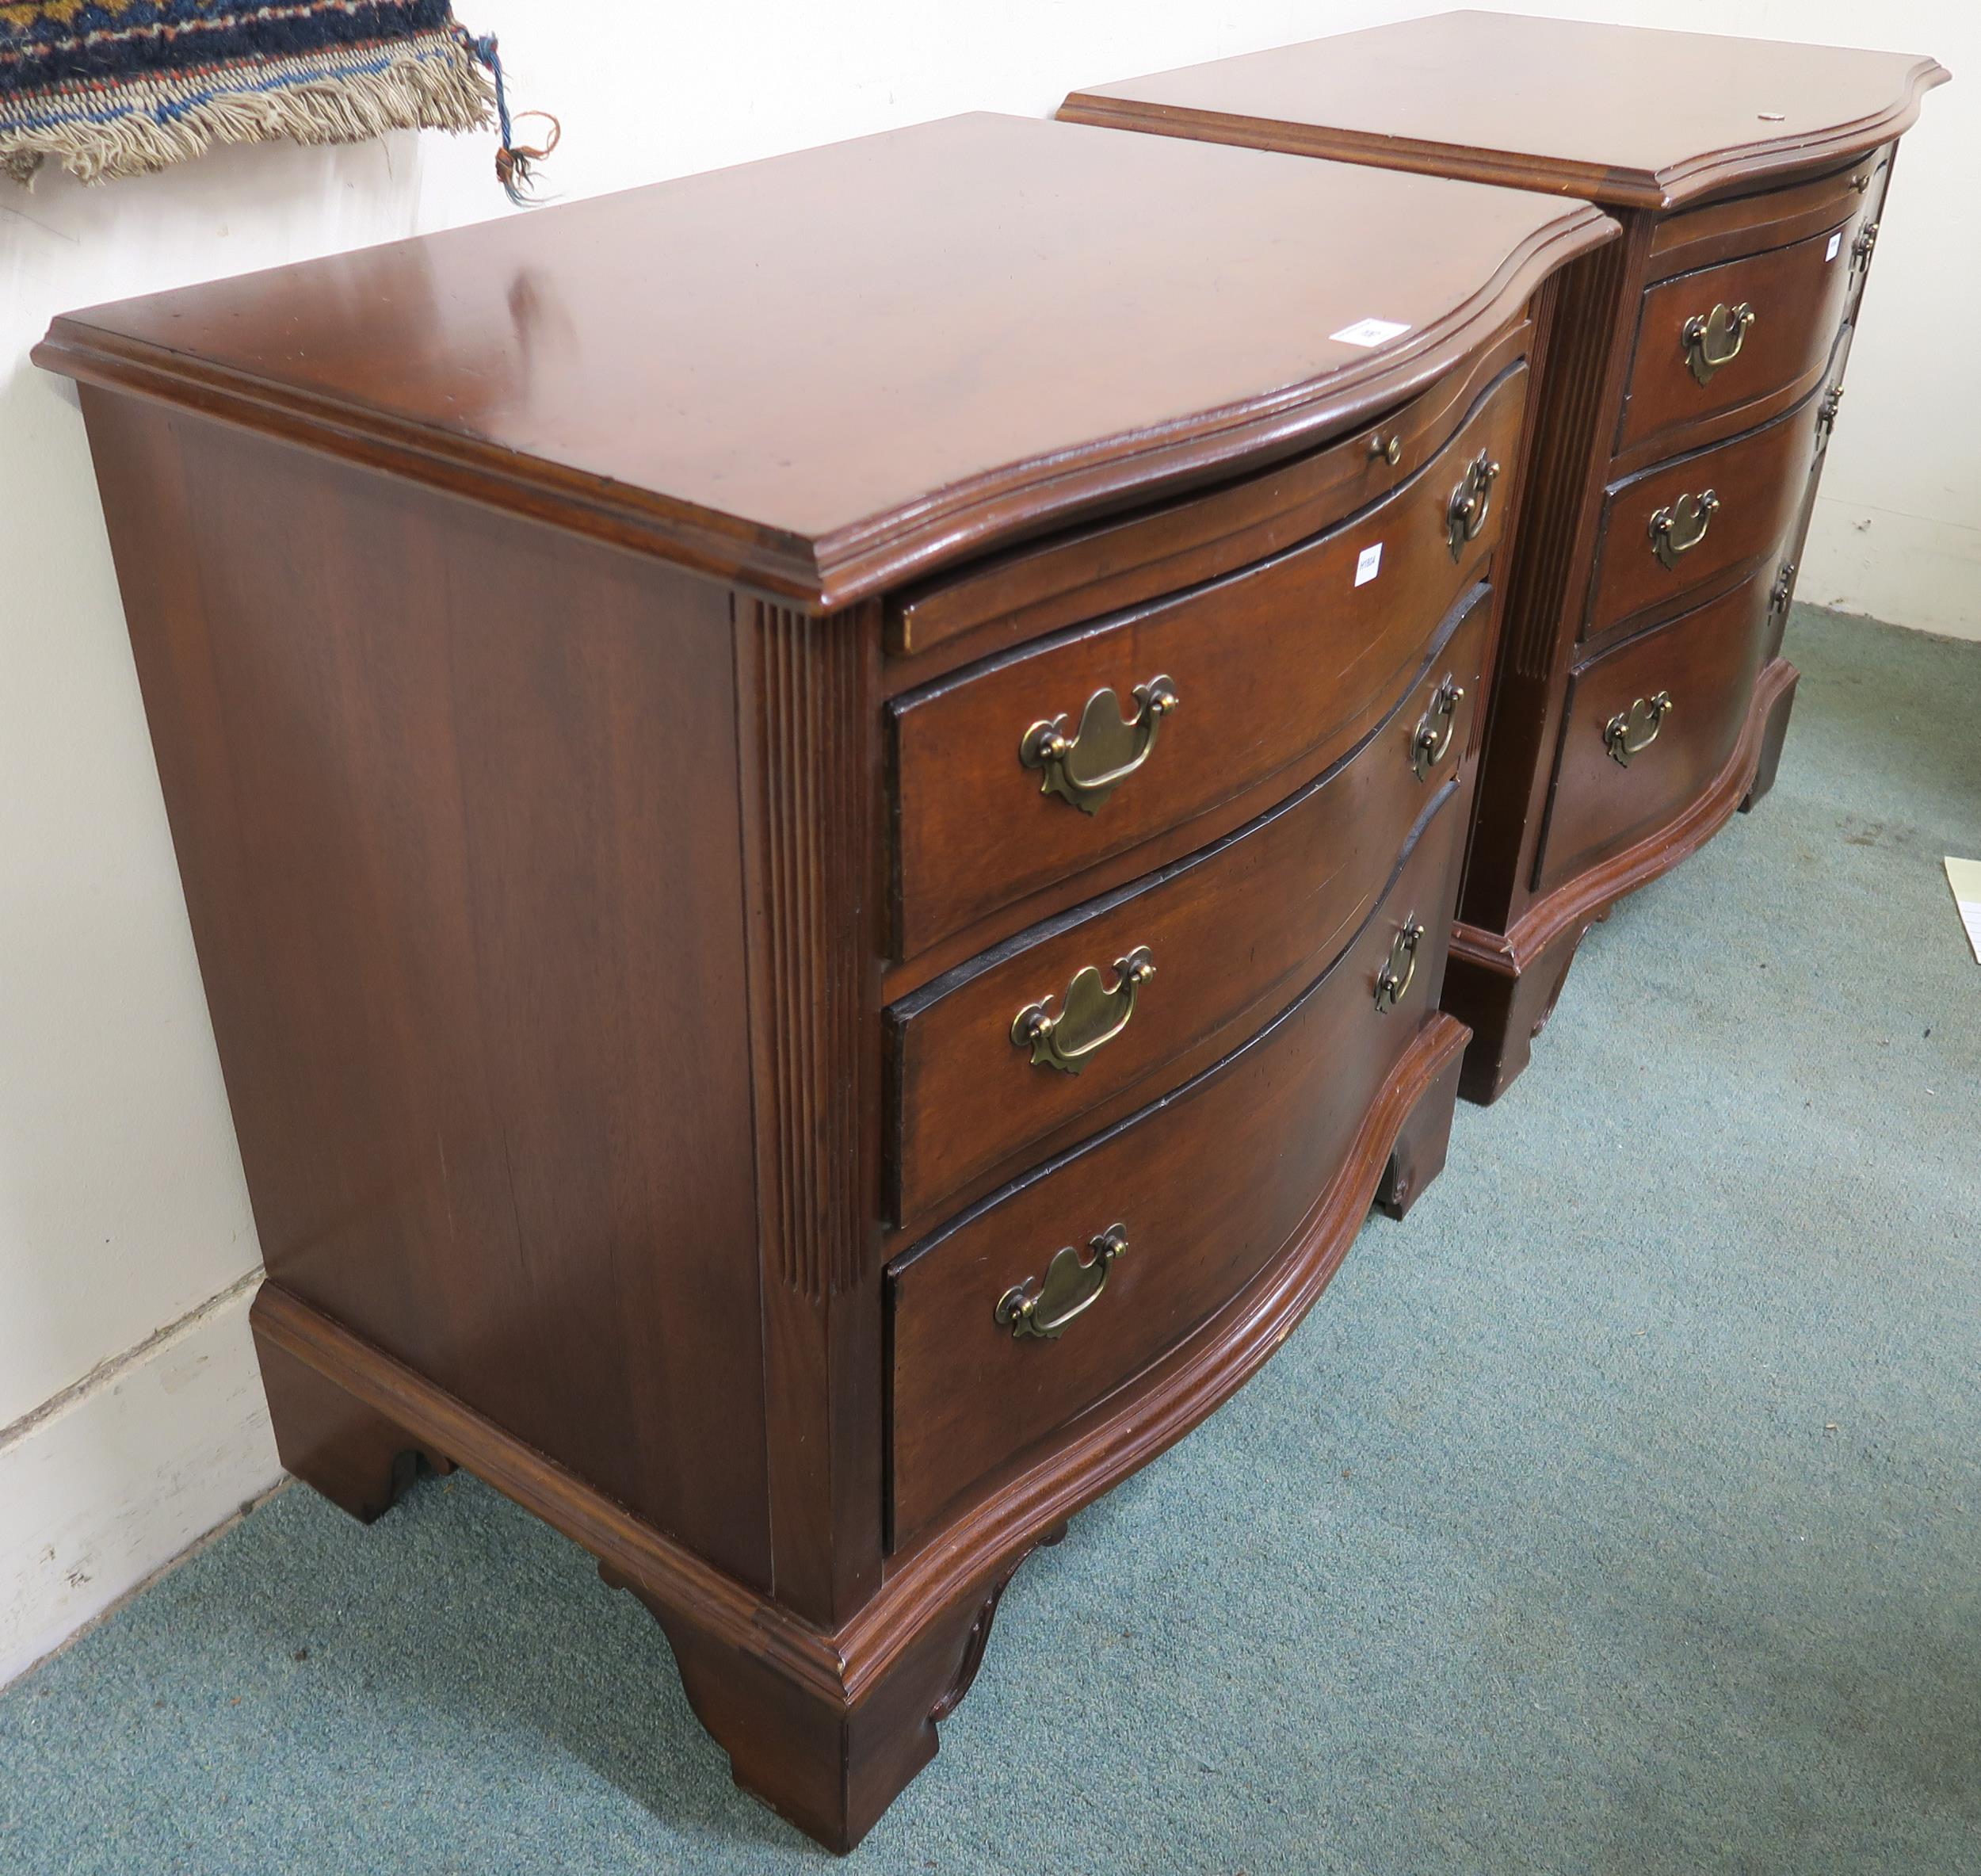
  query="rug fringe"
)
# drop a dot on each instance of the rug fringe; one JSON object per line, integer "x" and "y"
{"x": 427, "y": 87}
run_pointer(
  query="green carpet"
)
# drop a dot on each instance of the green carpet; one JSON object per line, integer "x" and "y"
{"x": 1620, "y": 1512}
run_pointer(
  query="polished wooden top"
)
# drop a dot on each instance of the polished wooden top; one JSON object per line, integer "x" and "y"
{"x": 1621, "y": 115}
{"x": 826, "y": 371}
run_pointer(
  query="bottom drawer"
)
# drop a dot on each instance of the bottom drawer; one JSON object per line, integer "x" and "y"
{"x": 1628, "y": 765}
{"x": 1207, "y": 1187}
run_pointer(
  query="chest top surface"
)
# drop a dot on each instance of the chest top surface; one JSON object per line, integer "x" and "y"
{"x": 824, "y": 371}
{"x": 1625, "y": 115}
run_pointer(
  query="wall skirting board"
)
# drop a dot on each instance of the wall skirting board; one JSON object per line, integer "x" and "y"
{"x": 104, "y": 1485}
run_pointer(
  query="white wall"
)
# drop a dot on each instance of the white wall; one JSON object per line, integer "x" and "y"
{"x": 129, "y": 1416}
{"x": 1898, "y": 528}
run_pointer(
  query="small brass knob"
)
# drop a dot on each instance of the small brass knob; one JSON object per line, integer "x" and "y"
{"x": 1385, "y": 449}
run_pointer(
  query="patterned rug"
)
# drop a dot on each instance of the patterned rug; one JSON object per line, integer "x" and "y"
{"x": 113, "y": 88}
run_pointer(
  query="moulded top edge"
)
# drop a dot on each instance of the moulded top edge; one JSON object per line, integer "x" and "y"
{"x": 824, "y": 372}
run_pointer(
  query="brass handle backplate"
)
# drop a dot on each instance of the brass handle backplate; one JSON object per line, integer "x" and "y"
{"x": 1039, "y": 1309}
{"x": 1393, "y": 981}
{"x": 1092, "y": 1016}
{"x": 1630, "y": 732}
{"x": 1713, "y": 339}
{"x": 1676, "y": 530}
{"x": 1088, "y": 766}
{"x": 1433, "y": 735}
{"x": 1470, "y": 502}
{"x": 1863, "y": 247}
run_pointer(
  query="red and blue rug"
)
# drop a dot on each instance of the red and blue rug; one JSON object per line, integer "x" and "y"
{"x": 111, "y": 88}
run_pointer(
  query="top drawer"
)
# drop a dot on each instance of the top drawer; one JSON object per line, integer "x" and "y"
{"x": 1024, "y": 770}
{"x": 1725, "y": 338}
{"x": 1045, "y": 585}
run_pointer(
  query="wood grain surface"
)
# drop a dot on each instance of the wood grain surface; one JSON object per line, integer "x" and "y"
{"x": 1626, "y": 115}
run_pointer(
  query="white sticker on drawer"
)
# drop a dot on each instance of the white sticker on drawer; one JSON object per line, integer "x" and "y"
{"x": 1836, "y": 242}
{"x": 1369, "y": 332}
{"x": 1368, "y": 563}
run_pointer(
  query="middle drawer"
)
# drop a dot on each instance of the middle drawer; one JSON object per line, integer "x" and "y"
{"x": 1009, "y": 1049}
{"x": 1685, "y": 522}
{"x": 1019, "y": 773}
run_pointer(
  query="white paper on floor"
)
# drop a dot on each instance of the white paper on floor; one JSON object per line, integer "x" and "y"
{"x": 1964, "y": 877}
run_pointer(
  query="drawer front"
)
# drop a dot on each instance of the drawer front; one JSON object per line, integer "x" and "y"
{"x": 1289, "y": 661}
{"x": 1711, "y": 341}
{"x": 1208, "y": 1187}
{"x": 1751, "y": 224}
{"x": 1011, "y": 1048}
{"x": 1685, "y": 523}
{"x": 1627, "y": 766}
{"x": 1863, "y": 239}
{"x": 1040, "y": 588}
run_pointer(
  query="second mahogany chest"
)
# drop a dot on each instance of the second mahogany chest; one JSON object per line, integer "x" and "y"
{"x": 1640, "y": 696}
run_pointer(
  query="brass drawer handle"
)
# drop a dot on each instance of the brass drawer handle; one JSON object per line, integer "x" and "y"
{"x": 1472, "y": 502}
{"x": 1087, "y": 767}
{"x": 1863, "y": 247}
{"x": 1826, "y": 414}
{"x": 1385, "y": 449}
{"x": 1630, "y": 732}
{"x": 1676, "y": 530}
{"x": 1393, "y": 982}
{"x": 1092, "y": 1016}
{"x": 1035, "y": 1311}
{"x": 1782, "y": 595}
{"x": 1433, "y": 733}
{"x": 1715, "y": 338}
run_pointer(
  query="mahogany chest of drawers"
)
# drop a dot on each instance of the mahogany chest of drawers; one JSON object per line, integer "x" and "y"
{"x": 822, "y": 806}
{"x": 1640, "y": 696}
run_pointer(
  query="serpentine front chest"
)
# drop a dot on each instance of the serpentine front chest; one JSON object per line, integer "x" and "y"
{"x": 822, "y": 806}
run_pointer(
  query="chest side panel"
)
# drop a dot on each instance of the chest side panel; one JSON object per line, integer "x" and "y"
{"x": 454, "y": 796}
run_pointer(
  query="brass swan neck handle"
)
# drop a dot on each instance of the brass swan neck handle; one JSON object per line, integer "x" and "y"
{"x": 1676, "y": 530}
{"x": 1470, "y": 502}
{"x": 1433, "y": 735}
{"x": 1092, "y": 1016}
{"x": 1039, "y": 1309}
{"x": 1710, "y": 340}
{"x": 1088, "y": 766}
{"x": 1393, "y": 982}
{"x": 1630, "y": 732}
